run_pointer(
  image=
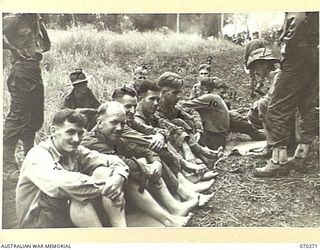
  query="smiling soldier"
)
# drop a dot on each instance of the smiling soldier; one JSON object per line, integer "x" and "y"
{"x": 59, "y": 180}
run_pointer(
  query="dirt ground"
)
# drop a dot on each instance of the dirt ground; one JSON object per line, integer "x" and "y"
{"x": 240, "y": 200}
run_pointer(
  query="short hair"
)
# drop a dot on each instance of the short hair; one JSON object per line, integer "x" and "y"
{"x": 205, "y": 66}
{"x": 212, "y": 81}
{"x": 171, "y": 80}
{"x": 102, "y": 110}
{"x": 125, "y": 90}
{"x": 140, "y": 71}
{"x": 69, "y": 115}
{"x": 144, "y": 86}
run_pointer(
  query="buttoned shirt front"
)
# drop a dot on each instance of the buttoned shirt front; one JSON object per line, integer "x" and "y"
{"x": 45, "y": 170}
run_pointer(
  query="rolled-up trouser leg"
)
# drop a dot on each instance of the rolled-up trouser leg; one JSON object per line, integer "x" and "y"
{"x": 240, "y": 124}
{"x": 292, "y": 90}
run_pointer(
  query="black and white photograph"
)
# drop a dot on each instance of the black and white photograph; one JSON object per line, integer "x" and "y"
{"x": 198, "y": 120}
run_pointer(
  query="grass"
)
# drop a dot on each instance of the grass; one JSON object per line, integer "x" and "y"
{"x": 240, "y": 199}
{"x": 109, "y": 59}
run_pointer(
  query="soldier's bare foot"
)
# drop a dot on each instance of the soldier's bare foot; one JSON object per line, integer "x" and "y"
{"x": 195, "y": 178}
{"x": 193, "y": 166}
{"x": 209, "y": 153}
{"x": 202, "y": 186}
{"x": 177, "y": 221}
{"x": 184, "y": 207}
{"x": 204, "y": 199}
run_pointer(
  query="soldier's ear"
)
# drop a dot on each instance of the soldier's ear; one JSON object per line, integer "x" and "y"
{"x": 53, "y": 130}
{"x": 98, "y": 121}
{"x": 139, "y": 98}
{"x": 162, "y": 92}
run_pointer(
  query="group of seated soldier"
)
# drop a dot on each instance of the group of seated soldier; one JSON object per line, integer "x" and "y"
{"x": 147, "y": 148}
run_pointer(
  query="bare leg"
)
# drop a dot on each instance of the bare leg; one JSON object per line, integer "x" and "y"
{"x": 198, "y": 187}
{"x": 84, "y": 215}
{"x": 116, "y": 215}
{"x": 147, "y": 204}
{"x": 174, "y": 207}
{"x": 188, "y": 155}
{"x": 195, "y": 178}
{"x": 187, "y": 193}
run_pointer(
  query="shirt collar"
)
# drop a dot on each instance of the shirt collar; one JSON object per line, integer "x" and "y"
{"x": 56, "y": 156}
{"x": 139, "y": 113}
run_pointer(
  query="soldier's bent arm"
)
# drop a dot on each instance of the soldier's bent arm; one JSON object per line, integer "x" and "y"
{"x": 55, "y": 181}
{"x": 91, "y": 159}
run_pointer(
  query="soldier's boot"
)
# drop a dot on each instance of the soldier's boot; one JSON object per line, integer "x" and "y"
{"x": 277, "y": 165}
{"x": 300, "y": 156}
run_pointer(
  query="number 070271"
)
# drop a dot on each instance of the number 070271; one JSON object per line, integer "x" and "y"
{"x": 308, "y": 246}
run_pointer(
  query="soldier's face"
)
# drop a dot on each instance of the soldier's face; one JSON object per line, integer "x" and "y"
{"x": 262, "y": 69}
{"x": 67, "y": 137}
{"x": 112, "y": 123}
{"x": 170, "y": 96}
{"x": 130, "y": 106}
{"x": 204, "y": 73}
{"x": 140, "y": 78}
{"x": 81, "y": 88}
{"x": 150, "y": 101}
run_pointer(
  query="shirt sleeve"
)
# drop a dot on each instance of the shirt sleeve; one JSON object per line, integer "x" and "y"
{"x": 66, "y": 103}
{"x": 56, "y": 181}
{"x": 143, "y": 128}
{"x": 91, "y": 159}
{"x": 189, "y": 113}
{"x": 94, "y": 101}
{"x": 193, "y": 93}
{"x": 197, "y": 120}
{"x": 9, "y": 24}
{"x": 139, "y": 151}
{"x": 292, "y": 28}
{"x": 164, "y": 132}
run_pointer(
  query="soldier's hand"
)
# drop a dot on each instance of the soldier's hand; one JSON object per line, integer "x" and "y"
{"x": 155, "y": 171}
{"x": 197, "y": 136}
{"x": 157, "y": 142}
{"x": 119, "y": 201}
{"x": 113, "y": 187}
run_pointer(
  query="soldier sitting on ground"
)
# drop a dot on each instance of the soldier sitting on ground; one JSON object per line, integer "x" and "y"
{"x": 60, "y": 180}
{"x": 82, "y": 98}
{"x": 217, "y": 120}
{"x": 188, "y": 119}
{"x": 150, "y": 137}
{"x": 149, "y": 94}
{"x": 218, "y": 85}
{"x": 145, "y": 167}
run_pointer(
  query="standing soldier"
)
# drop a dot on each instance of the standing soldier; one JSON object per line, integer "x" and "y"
{"x": 296, "y": 87}
{"x": 26, "y": 37}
